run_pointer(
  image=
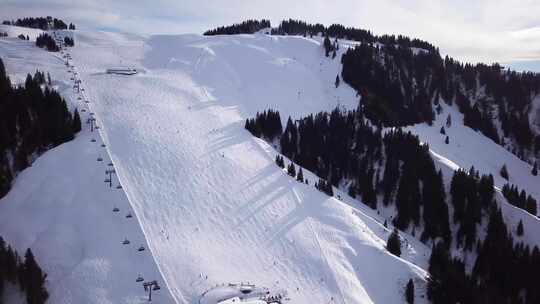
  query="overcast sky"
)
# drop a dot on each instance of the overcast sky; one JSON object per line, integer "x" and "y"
{"x": 471, "y": 30}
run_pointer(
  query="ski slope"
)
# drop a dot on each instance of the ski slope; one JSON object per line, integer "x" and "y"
{"x": 211, "y": 202}
{"x": 62, "y": 209}
{"x": 208, "y": 203}
{"x": 14, "y": 31}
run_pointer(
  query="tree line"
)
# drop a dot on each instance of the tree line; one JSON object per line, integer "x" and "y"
{"x": 44, "y": 40}
{"x": 25, "y": 273}
{"x": 519, "y": 199}
{"x": 299, "y": 27}
{"x": 245, "y": 27}
{"x": 266, "y": 125}
{"x": 33, "y": 119}
{"x": 400, "y": 86}
{"x": 44, "y": 23}
{"x": 503, "y": 271}
{"x": 344, "y": 148}
{"x": 401, "y": 80}
{"x": 68, "y": 41}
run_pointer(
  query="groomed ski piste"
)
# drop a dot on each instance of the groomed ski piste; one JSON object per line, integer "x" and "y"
{"x": 208, "y": 203}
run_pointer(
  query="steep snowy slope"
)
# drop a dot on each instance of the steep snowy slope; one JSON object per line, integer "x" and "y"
{"x": 62, "y": 209}
{"x": 468, "y": 148}
{"x": 214, "y": 207}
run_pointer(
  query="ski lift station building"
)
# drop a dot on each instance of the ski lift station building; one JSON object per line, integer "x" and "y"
{"x": 122, "y": 71}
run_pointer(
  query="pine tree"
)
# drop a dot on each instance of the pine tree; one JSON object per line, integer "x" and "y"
{"x": 291, "y": 170}
{"x": 520, "y": 228}
{"x": 449, "y": 121}
{"x": 300, "y": 176}
{"x": 34, "y": 280}
{"x": 352, "y": 191}
{"x": 504, "y": 172}
{"x": 443, "y": 132}
{"x": 327, "y": 45}
{"x": 337, "y": 81}
{"x": 447, "y": 140}
{"x": 530, "y": 205}
{"x": 393, "y": 245}
{"x": 278, "y": 161}
{"x": 76, "y": 122}
{"x": 409, "y": 292}
{"x": 334, "y": 54}
{"x": 535, "y": 169}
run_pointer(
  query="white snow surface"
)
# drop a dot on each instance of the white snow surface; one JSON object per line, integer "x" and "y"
{"x": 14, "y": 31}
{"x": 209, "y": 204}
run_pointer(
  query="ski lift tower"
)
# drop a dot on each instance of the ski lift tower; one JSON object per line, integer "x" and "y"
{"x": 149, "y": 286}
{"x": 109, "y": 172}
{"x": 77, "y": 85}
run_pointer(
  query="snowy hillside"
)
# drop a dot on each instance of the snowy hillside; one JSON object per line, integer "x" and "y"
{"x": 213, "y": 205}
{"x": 213, "y": 216}
{"x": 62, "y": 209}
{"x": 208, "y": 203}
{"x": 14, "y": 31}
{"x": 468, "y": 148}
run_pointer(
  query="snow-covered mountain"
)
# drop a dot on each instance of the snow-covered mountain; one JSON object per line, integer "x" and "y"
{"x": 209, "y": 205}
{"x": 204, "y": 193}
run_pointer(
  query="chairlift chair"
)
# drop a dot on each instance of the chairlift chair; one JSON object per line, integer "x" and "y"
{"x": 99, "y": 159}
{"x": 115, "y": 209}
{"x": 139, "y": 279}
{"x": 141, "y": 248}
{"x": 119, "y": 187}
{"x": 93, "y": 140}
{"x": 129, "y": 215}
{"x": 156, "y": 287}
{"x": 125, "y": 242}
